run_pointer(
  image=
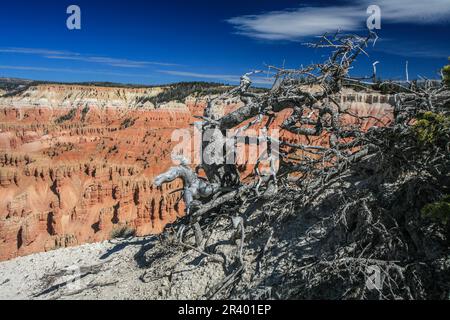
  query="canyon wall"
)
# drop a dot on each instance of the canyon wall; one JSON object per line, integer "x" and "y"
{"x": 77, "y": 163}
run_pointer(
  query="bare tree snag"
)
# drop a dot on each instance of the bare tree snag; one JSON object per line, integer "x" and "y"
{"x": 306, "y": 169}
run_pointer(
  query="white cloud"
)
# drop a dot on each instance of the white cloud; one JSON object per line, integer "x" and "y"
{"x": 67, "y": 55}
{"x": 35, "y": 51}
{"x": 414, "y": 11}
{"x": 69, "y": 70}
{"x": 225, "y": 77}
{"x": 125, "y": 63}
{"x": 217, "y": 77}
{"x": 406, "y": 49}
{"x": 295, "y": 24}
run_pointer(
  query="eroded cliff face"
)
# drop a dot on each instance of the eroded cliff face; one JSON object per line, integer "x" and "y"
{"x": 59, "y": 95}
{"x": 78, "y": 162}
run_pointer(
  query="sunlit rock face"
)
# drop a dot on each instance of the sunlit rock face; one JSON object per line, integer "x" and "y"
{"x": 77, "y": 162}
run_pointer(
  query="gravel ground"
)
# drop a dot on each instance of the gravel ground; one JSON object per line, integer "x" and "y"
{"x": 156, "y": 268}
{"x": 136, "y": 268}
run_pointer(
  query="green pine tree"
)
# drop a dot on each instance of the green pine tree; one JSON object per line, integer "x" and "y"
{"x": 447, "y": 74}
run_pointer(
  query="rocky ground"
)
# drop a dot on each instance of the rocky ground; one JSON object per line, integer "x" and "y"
{"x": 107, "y": 270}
{"x": 156, "y": 267}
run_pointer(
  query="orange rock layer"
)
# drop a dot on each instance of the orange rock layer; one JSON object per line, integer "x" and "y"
{"x": 76, "y": 181}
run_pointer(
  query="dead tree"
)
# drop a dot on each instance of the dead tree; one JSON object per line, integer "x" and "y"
{"x": 194, "y": 188}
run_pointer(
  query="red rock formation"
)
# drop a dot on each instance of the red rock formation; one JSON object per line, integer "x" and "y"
{"x": 72, "y": 177}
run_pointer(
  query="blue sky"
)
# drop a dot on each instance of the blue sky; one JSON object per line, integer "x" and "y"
{"x": 152, "y": 42}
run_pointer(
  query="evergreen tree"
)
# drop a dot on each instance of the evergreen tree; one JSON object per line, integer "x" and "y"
{"x": 447, "y": 74}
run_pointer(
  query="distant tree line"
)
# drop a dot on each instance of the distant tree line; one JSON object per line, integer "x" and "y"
{"x": 180, "y": 91}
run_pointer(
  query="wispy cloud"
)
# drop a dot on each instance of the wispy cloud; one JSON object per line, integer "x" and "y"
{"x": 74, "y": 56}
{"x": 69, "y": 70}
{"x": 110, "y": 61}
{"x": 414, "y": 11}
{"x": 295, "y": 24}
{"x": 35, "y": 51}
{"x": 223, "y": 77}
{"x": 217, "y": 77}
{"x": 411, "y": 50}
